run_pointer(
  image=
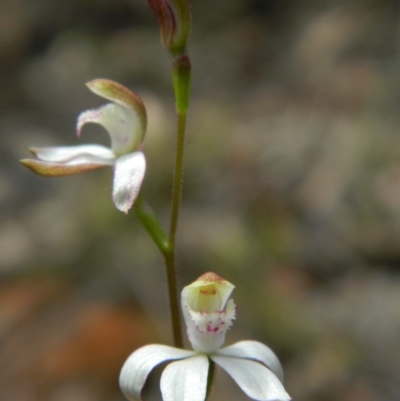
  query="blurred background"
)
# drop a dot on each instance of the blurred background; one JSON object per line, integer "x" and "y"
{"x": 292, "y": 193}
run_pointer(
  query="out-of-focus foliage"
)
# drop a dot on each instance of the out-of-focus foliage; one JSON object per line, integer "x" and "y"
{"x": 292, "y": 192}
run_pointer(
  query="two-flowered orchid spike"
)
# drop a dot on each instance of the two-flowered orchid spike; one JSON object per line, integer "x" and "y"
{"x": 208, "y": 314}
{"x": 174, "y": 19}
{"x": 125, "y": 120}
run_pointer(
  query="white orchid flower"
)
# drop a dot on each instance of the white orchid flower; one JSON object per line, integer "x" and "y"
{"x": 125, "y": 120}
{"x": 208, "y": 315}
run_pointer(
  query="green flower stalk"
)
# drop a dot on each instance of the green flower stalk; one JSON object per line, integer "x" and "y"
{"x": 174, "y": 18}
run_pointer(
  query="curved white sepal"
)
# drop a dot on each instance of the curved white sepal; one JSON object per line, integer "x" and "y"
{"x": 185, "y": 380}
{"x": 128, "y": 176}
{"x": 257, "y": 381}
{"x": 256, "y": 351}
{"x": 67, "y": 154}
{"x": 122, "y": 124}
{"x": 48, "y": 169}
{"x": 138, "y": 366}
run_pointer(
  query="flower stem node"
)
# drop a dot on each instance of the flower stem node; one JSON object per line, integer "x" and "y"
{"x": 208, "y": 314}
{"x": 125, "y": 120}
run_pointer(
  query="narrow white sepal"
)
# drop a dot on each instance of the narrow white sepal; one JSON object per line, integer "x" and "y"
{"x": 257, "y": 381}
{"x": 138, "y": 366}
{"x": 128, "y": 176}
{"x": 256, "y": 351}
{"x": 66, "y": 154}
{"x": 185, "y": 380}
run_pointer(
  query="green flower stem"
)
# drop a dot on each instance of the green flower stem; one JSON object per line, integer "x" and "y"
{"x": 170, "y": 262}
{"x": 181, "y": 78}
{"x": 210, "y": 377}
{"x": 150, "y": 222}
{"x": 173, "y": 299}
{"x": 181, "y": 73}
{"x": 178, "y": 179}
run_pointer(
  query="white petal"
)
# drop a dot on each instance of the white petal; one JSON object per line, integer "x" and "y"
{"x": 257, "y": 351}
{"x": 257, "y": 381}
{"x": 185, "y": 380}
{"x": 67, "y": 154}
{"x": 122, "y": 124}
{"x": 128, "y": 176}
{"x": 138, "y": 366}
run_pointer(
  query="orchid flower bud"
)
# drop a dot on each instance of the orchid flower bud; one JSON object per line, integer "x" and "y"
{"x": 174, "y": 19}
